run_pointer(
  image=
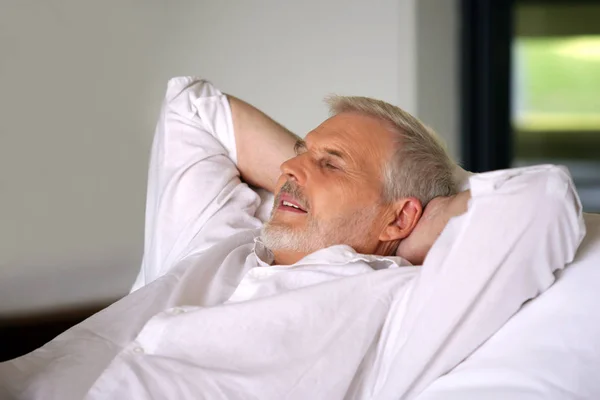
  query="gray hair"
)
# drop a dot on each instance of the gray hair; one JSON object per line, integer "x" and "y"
{"x": 420, "y": 166}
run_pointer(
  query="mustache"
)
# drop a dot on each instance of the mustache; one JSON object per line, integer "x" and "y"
{"x": 293, "y": 190}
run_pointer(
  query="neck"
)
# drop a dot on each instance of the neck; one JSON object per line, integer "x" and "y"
{"x": 387, "y": 248}
{"x": 292, "y": 257}
{"x": 287, "y": 257}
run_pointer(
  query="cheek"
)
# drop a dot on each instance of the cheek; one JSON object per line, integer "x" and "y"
{"x": 334, "y": 199}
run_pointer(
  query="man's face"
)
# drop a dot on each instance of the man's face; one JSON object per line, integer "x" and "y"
{"x": 330, "y": 193}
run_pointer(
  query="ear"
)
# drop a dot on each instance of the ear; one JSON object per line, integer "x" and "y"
{"x": 406, "y": 214}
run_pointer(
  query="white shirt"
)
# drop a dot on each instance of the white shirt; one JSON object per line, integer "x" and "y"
{"x": 211, "y": 318}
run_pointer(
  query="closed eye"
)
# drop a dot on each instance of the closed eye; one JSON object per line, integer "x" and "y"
{"x": 325, "y": 163}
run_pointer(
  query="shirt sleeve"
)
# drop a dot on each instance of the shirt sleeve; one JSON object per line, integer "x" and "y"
{"x": 195, "y": 197}
{"x": 521, "y": 226}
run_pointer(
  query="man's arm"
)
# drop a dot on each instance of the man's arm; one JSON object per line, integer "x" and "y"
{"x": 262, "y": 144}
{"x": 521, "y": 226}
{"x": 195, "y": 197}
{"x": 435, "y": 217}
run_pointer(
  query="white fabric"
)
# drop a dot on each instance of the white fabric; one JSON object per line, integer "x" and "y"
{"x": 549, "y": 350}
{"x": 212, "y": 319}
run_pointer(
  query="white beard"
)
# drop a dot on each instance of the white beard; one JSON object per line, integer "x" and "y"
{"x": 280, "y": 237}
{"x": 317, "y": 235}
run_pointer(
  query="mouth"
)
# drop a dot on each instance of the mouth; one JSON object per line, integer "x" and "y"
{"x": 289, "y": 204}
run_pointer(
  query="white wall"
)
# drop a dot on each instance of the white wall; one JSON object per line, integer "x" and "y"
{"x": 438, "y": 73}
{"x": 80, "y": 87}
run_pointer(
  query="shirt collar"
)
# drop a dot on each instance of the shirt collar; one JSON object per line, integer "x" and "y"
{"x": 340, "y": 254}
{"x": 264, "y": 256}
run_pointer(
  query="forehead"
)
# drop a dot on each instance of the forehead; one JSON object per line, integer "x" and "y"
{"x": 366, "y": 140}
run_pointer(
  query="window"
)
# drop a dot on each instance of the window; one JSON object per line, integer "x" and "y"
{"x": 555, "y": 104}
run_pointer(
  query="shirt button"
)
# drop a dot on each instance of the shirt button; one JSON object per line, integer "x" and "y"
{"x": 177, "y": 311}
{"x": 138, "y": 350}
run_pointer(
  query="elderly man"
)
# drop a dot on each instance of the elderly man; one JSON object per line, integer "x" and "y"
{"x": 325, "y": 301}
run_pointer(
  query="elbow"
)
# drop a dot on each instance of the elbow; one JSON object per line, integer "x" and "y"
{"x": 567, "y": 213}
{"x": 558, "y": 210}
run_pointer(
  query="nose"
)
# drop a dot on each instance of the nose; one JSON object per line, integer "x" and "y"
{"x": 294, "y": 169}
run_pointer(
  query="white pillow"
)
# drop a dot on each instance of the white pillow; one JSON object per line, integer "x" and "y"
{"x": 549, "y": 350}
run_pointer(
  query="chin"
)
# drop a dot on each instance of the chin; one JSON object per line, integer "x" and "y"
{"x": 277, "y": 237}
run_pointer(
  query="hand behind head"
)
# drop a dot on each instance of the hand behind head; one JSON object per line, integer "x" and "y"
{"x": 435, "y": 217}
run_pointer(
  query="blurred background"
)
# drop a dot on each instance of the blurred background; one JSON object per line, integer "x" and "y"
{"x": 555, "y": 99}
{"x": 530, "y": 87}
{"x": 504, "y": 83}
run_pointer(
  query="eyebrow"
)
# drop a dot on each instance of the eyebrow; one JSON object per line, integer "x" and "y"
{"x": 300, "y": 147}
{"x": 335, "y": 153}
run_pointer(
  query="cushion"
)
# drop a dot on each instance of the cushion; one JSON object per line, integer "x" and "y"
{"x": 549, "y": 350}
